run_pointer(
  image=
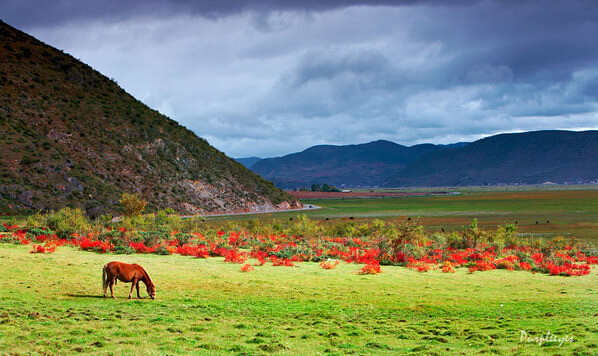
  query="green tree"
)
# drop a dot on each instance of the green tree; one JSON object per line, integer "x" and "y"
{"x": 133, "y": 204}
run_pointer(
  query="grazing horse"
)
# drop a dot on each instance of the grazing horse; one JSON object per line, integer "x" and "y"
{"x": 133, "y": 273}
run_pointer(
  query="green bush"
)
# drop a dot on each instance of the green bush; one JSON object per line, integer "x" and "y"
{"x": 68, "y": 221}
{"x": 36, "y": 220}
{"x": 123, "y": 250}
{"x": 151, "y": 238}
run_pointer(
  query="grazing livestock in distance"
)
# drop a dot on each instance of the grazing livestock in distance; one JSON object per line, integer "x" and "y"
{"x": 125, "y": 272}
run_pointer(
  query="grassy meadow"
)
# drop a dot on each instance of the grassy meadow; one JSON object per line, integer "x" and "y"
{"x": 567, "y": 212}
{"x": 52, "y": 305}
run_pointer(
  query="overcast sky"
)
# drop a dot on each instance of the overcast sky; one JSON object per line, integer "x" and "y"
{"x": 268, "y": 78}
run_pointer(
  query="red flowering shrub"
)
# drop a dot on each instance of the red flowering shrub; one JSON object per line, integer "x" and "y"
{"x": 372, "y": 267}
{"x": 424, "y": 267}
{"x": 447, "y": 267}
{"x": 47, "y": 248}
{"x": 281, "y": 261}
{"x": 419, "y": 265}
{"x": 41, "y": 238}
{"x": 94, "y": 245}
{"x": 506, "y": 263}
{"x": 187, "y": 250}
{"x": 203, "y": 253}
{"x": 330, "y": 264}
{"x": 260, "y": 256}
{"x": 525, "y": 266}
{"x": 247, "y": 268}
{"x": 140, "y": 247}
{"x": 234, "y": 256}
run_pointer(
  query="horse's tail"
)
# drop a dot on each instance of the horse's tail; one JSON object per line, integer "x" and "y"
{"x": 104, "y": 277}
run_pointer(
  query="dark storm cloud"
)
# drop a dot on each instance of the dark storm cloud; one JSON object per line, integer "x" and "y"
{"x": 272, "y": 77}
{"x": 43, "y": 12}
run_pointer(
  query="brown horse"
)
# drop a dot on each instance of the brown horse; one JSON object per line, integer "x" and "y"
{"x": 133, "y": 273}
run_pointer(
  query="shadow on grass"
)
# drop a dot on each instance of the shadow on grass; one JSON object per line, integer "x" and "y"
{"x": 86, "y": 296}
{"x": 99, "y": 296}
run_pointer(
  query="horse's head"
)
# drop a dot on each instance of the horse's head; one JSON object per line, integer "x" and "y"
{"x": 151, "y": 290}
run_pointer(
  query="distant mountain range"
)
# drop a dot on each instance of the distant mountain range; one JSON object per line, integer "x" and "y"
{"x": 70, "y": 136}
{"x": 523, "y": 158}
{"x": 368, "y": 164}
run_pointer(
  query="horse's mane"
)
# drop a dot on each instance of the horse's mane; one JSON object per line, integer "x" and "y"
{"x": 146, "y": 275}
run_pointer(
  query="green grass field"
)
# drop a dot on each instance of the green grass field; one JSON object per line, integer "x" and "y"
{"x": 51, "y": 305}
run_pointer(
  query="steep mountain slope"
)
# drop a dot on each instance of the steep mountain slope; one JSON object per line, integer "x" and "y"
{"x": 366, "y": 164}
{"x": 70, "y": 136}
{"x": 524, "y": 158}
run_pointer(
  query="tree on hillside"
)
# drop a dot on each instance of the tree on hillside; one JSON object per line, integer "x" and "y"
{"x": 133, "y": 204}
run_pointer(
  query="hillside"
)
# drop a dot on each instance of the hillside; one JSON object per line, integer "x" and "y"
{"x": 69, "y": 136}
{"x": 523, "y": 158}
{"x": 368, "y": 164}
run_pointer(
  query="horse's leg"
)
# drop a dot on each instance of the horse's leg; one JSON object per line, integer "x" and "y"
{"x": 137, "y": 285}
{"x": 111, "y": 284}
{"x": 133, "y": 282}
{"x": 104, "y": 279}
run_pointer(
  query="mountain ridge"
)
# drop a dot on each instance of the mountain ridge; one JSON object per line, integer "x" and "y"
{"x": 364, "y": 164}
{"x": 533, "y": 157}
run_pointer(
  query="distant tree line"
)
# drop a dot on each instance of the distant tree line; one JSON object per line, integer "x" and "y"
{"x": 319, "y": 188}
